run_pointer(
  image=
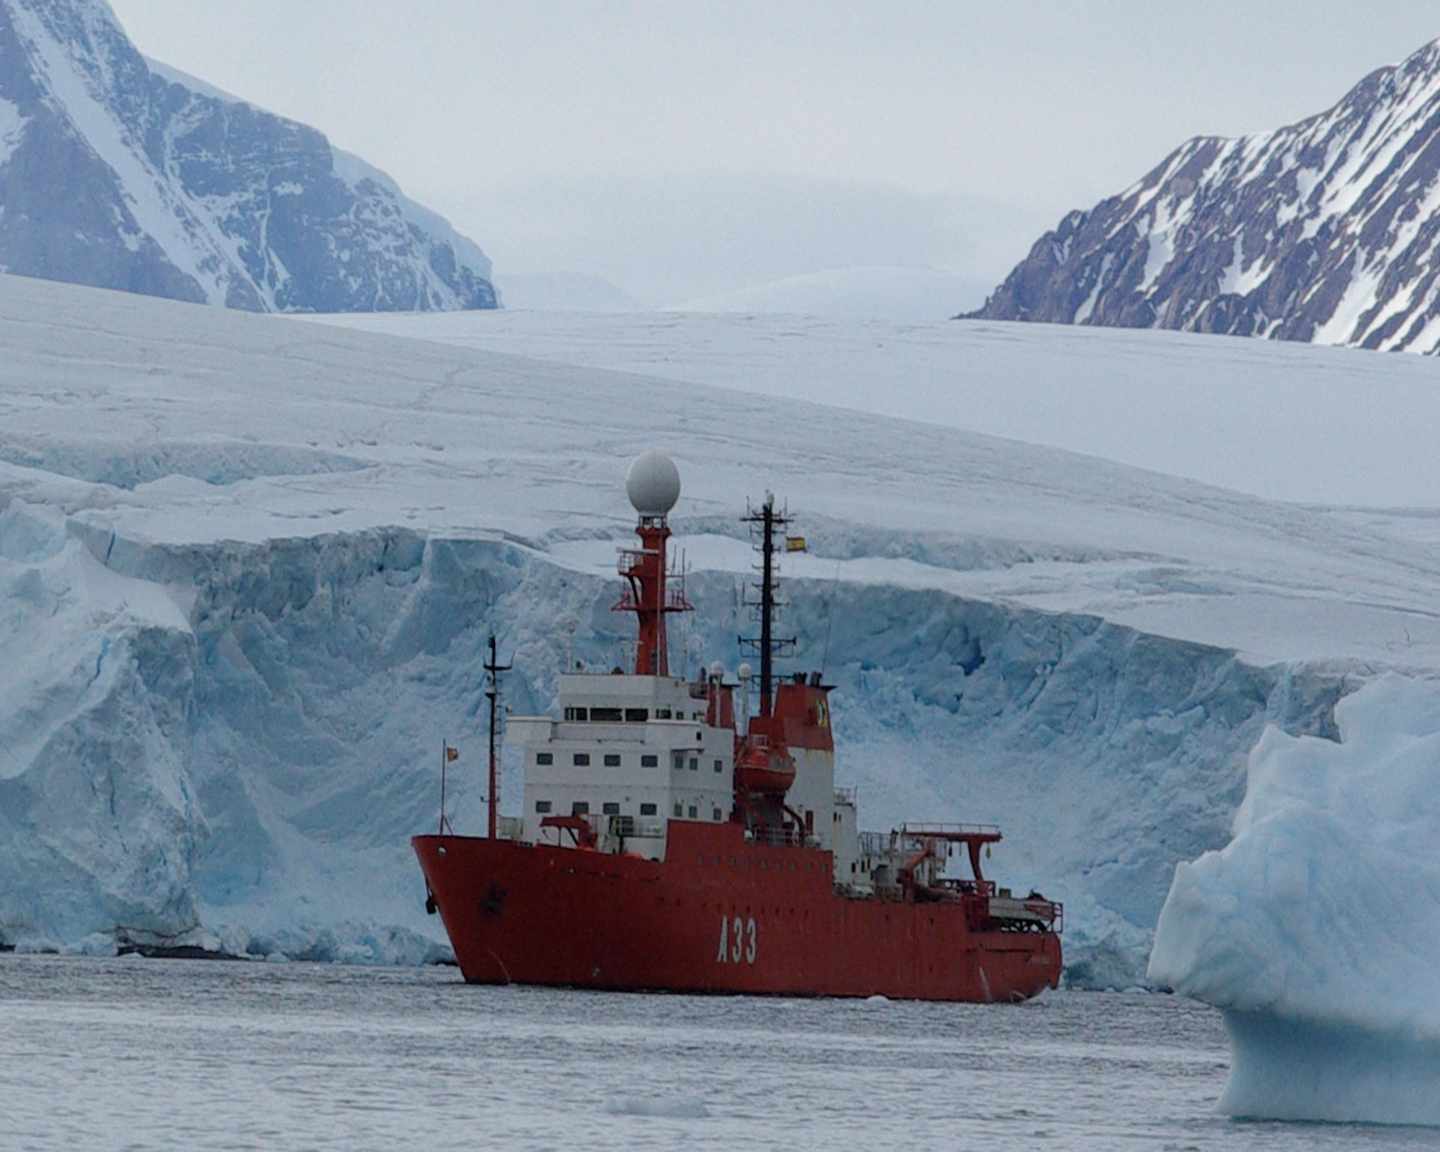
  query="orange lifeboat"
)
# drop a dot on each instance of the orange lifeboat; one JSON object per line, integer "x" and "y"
{"x": 763, "y": 770}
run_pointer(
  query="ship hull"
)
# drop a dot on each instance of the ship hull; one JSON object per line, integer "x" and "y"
{"x": 719, "y": 915}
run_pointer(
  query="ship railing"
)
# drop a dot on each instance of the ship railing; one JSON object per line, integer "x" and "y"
{"x": 1028, "y": 912}
{"x": 966, "y": 887}
{"x": 846, "y": 795}
{"x": 510, "y": 828}
{"x": 628, "y": 827}
{"x": 778, "y": 837}
{"x": 949, "y": 830}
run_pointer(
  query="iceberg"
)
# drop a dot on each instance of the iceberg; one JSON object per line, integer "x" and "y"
{"x": 1315, "y": 930}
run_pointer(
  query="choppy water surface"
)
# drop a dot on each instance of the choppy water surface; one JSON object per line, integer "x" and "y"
{"x": 122, "y": 1054}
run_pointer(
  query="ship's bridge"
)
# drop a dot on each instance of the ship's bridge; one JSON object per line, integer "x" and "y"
{"x": 626, "y": 755}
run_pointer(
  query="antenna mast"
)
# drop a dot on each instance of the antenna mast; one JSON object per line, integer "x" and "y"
{"x": 767, "y": 645}
{"x": 493, "y": 668}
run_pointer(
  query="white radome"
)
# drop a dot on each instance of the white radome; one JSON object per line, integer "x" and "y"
{"x": 653, "y": 483}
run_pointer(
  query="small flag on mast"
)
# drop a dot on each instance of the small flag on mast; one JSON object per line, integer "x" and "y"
{"x": 795, "y": 544}
{"x": 451, "y": 754}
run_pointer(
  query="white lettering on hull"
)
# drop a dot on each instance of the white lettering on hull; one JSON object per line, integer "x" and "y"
{"x": 739, "y": 941}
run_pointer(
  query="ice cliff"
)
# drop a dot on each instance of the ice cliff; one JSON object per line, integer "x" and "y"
{"x": 247, "y": 567}
{"x": 1316, "y": 928}
{"x": 232, "y": 743}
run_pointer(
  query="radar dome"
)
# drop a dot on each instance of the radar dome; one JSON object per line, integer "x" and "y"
{"x": 653, "y": 484}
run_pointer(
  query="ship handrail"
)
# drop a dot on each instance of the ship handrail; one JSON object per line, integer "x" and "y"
{"x": 928, "y": 829}
{"x": 965, "y": 887}
{"x": 778, "y": 837}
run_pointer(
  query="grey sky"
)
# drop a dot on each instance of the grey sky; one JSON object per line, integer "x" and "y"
{"x": 680, "y": 149}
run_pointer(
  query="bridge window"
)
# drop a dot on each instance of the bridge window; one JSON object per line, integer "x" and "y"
{"x": 609, "y": 808}
{"x": 576, "y": 714}
{"x": 542, "y": 806}
{"x": 649, "y": 760}
{"x": 544, "y": 758}
{"x": 612, "y": 760}
{"x": 647, "y": 809}
{"x": 580, "y": 808}
{"x": 604, "y": 715}
{"x": 581, "y": 759}
{"x": 636, "y": 715}
{"x": 662, "y": 713}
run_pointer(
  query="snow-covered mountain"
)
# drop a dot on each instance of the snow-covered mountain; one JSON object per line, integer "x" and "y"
{"x": 1327, "y": 230}
{"x": 246, "y": 577}
{"x": 122, "y": 174}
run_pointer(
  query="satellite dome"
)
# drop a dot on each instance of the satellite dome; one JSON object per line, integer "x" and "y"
{"x": 653, "y": 484}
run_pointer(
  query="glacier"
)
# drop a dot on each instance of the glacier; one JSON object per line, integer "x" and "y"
{"x": 247, "y": 566}
{"x": 1315, "y": 929}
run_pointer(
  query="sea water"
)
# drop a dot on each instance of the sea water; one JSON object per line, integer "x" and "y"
{"x": 140, "y": 1054}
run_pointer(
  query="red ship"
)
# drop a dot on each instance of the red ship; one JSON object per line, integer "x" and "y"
{"x": 672, "y": 840}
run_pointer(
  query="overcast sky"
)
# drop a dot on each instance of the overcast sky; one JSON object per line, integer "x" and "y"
{"x": 679, "y": 149}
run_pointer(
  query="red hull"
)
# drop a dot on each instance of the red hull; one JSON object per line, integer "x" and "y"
{"x": 719, "y": 915}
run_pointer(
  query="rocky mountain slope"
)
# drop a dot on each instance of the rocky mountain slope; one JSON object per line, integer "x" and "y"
{"x": 1325, "y": 231}
{"x": 121, "y": 174}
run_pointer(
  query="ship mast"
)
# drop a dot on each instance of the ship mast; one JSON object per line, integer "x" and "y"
{"x": 766, "y": 521}
{"x": 493, "y": 668}
{"x": 653, "y": 485}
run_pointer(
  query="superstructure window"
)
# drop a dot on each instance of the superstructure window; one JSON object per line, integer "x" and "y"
{"x": 581, "y": 759}
{"x": 694, "y": 763}
{"x": 612, "y": 760}
{"x": 679, "y": 809}
{"x": 649, "y": 760}
{"x": 719, "y": 765}
{"x": 577, "y": 714}
{"x": 636, "y": 715}
{"x": 648, "y": 810}
{"x": 580, "y": 808}
{"x": 662, "y": 713}
{"x": 717, "y": 815}
{"x": 542, "y": 806}
{"x": 694, "y": 811}
{"x": 544, "y": 758}
{"x": 604, "y": 715}
{"x": 610, "y": 808}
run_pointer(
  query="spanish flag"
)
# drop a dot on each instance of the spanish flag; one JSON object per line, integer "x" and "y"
{"x": 795, "y": 544}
